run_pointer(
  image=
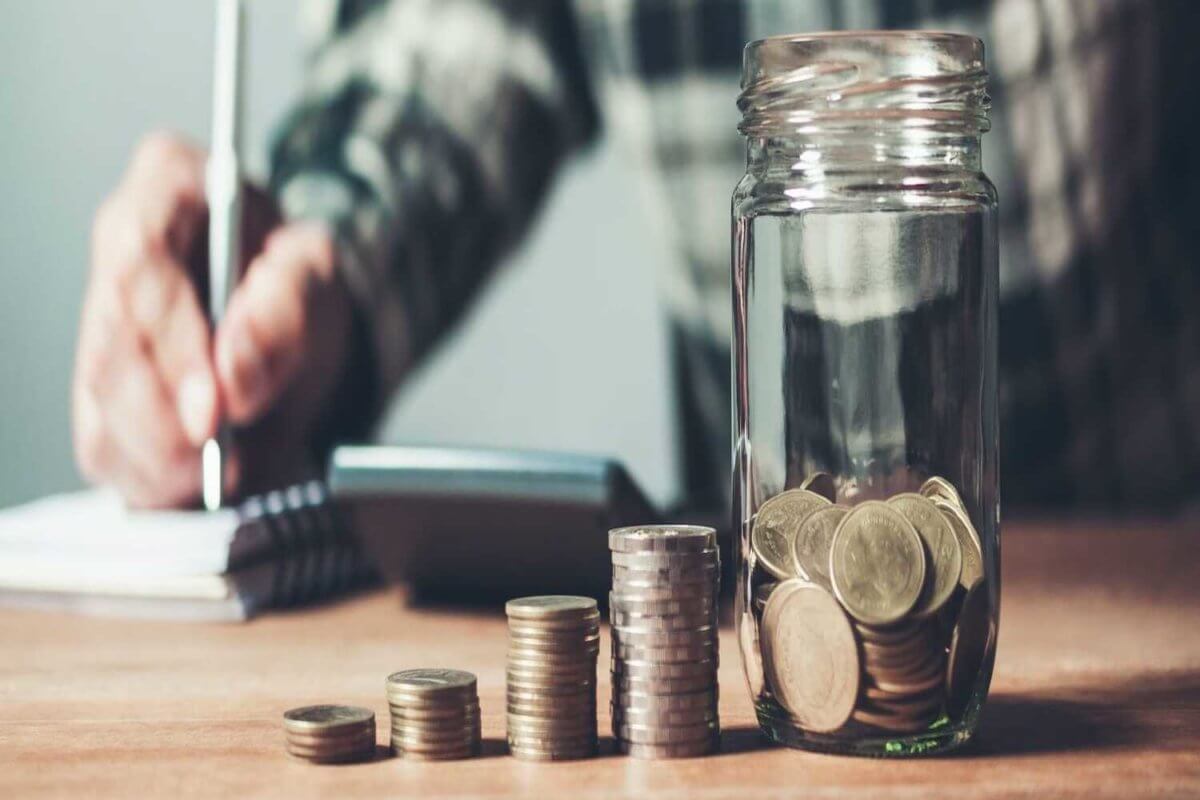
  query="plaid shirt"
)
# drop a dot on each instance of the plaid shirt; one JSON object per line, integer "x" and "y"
{"x": 430, "y": 129}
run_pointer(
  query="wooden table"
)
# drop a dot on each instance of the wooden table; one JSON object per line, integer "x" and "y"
{"x": 1097, "y": 694}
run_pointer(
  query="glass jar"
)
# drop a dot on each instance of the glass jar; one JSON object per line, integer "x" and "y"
{"x": 865, "y": 286}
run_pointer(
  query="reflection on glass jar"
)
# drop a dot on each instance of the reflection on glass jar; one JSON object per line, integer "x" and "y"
{"x": 865, "y": 431}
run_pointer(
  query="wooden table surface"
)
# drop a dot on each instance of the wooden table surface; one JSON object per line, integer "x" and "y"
{"x": 1096, "y": 694}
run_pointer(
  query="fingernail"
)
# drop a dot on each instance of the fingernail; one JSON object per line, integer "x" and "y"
{"x": 197, "y": 401}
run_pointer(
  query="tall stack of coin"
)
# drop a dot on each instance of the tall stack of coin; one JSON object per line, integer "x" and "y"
{"x": 663, "y": 610}
{"x": 330, "y": 734}
{"x": 553, "y": 644}
{"x": 435, "y": 714}
{"x": 859, "y": 606}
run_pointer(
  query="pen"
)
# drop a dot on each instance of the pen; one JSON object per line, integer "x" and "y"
{"x": 223, "y": 192}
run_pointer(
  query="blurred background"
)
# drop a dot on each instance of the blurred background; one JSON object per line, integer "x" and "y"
{"x": 530, "y": 367}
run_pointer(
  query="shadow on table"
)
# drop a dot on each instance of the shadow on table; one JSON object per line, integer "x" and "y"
{"x": 1157, "y": 708}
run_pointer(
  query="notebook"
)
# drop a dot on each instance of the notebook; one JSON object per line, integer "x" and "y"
{"x": 85, "y": 552}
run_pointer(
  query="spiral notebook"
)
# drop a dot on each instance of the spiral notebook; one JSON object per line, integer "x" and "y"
{"x": 85, "y": 552}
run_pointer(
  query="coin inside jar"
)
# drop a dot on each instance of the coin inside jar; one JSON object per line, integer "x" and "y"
{"x": 776, "y": 523}
{"x": 811, "y": 545}
{"x": 941, "y": 547}
{"x": 877, "y": 564}
{"x": 810, "y": 656}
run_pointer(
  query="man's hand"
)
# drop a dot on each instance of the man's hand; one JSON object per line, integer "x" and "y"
{"x": 150, "y": 382}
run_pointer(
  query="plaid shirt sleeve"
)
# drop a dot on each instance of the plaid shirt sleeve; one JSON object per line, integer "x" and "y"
{"x": 426, "y": 137}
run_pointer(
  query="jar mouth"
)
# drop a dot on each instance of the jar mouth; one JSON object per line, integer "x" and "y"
{"x": 825, "y": 82}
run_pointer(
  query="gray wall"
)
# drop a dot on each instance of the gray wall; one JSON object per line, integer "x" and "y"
{"x": 566, "y": 346}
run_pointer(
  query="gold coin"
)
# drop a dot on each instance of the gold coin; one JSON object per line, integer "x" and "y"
{"x": 968, "y": 541}
{"x": 542, "y": 608}
{"x": 327, "y": 719}
{"x": 941, "y": 547}
{"x": 940, "y": 488}
{"x": 821, "y": 483}
{"x": 811, "y": 545}
{"x": 968, "y": 647}
{"x": 877, "y": 564}
{"x": 809, "y": 655}
{"x": 431, "y": 686}
{"x": 776, "y": 525}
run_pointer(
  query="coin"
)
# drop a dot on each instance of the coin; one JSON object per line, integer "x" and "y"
{"x": 654, "y": 560}
{"x": 665, "y": 655}
{"x": 968, "y": 648}
{"x": 694, "y": 716}
{"x": 810, "y": 655}
{"x": 642, "y": 684}
{"x": 762, "y": 592}
{"x": 641, "y": 637}
{"x": 322, "y": 743}
{"x": 821, "y": 483}
{"x": 910, "y": 684}
{"x": 662, "y": 539}
{"x": 327, "y": 719}
{"x": 940, "y": 488}
{"x": 360, "y": 753}
{"x": 876, "y": 563}
{"x": 968, "y": 541}
{"x": 433, "y": 714}
{"x": 811, "y": 545}
{"x": 941, "y": 547}
{"x": 443, "y": 755}
{"x": 890, "y": 635}
{"x": 776, "y": 524}
{"x": 636, "y": 576}
{"x": 682, "y": 701}
{"x": 623, "y": 592}
{"x": 551, "y": 607}
{"x": 431, "y": 685}
{"x": 653, "y": 734}
{"x": 648, "y": 623}
{"x": 652, "y": 669}
{"x": 701, "y": 747}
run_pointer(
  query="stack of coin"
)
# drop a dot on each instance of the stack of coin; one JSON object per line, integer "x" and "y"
{"x": 663, "y": 610}
{"x": 330, "y": 734}
{"x": 435, "y": 714}
{"x": 880, "y": 591}
{"x": 553, "y": 644}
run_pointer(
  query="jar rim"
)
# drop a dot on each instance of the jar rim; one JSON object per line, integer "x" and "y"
{"x": 935, "y": 78}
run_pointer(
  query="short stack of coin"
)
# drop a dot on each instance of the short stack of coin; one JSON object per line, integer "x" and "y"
{"x": 330, "y": 734}
{"x": 435, "y": 714}
{"x": 883, "y": 588}
{"x": 553, "y": 644}
{"x": 663, "y": 611}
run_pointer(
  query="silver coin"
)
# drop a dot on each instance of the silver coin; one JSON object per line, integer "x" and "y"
{"x": 651, "y": 670}
{"x": 706, "y": 698}
{"x": 550, "y": 607}
{"x": 633, "y": 716}
{"x": 664, "y": 638}
{"x": 677, "y": 750}
{"x": 654, "y": 561}
{"x": 639, "y": 606}
{"x": 327, "y": 719}
{"x": 655, "y": 576}
{"x": 553, "y": 628}
{"x": 703, "y": 617}
{"x": 646, "y": 734}
{"x": 433, "y": 683}
{"x": 662, "y": 538}
{"x": 626, "y": 592}
{"x": 641, "y": 685}
{"x": 665, "y": 655}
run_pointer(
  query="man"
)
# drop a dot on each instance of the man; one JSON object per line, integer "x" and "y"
{"x": 430, "y": 129}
